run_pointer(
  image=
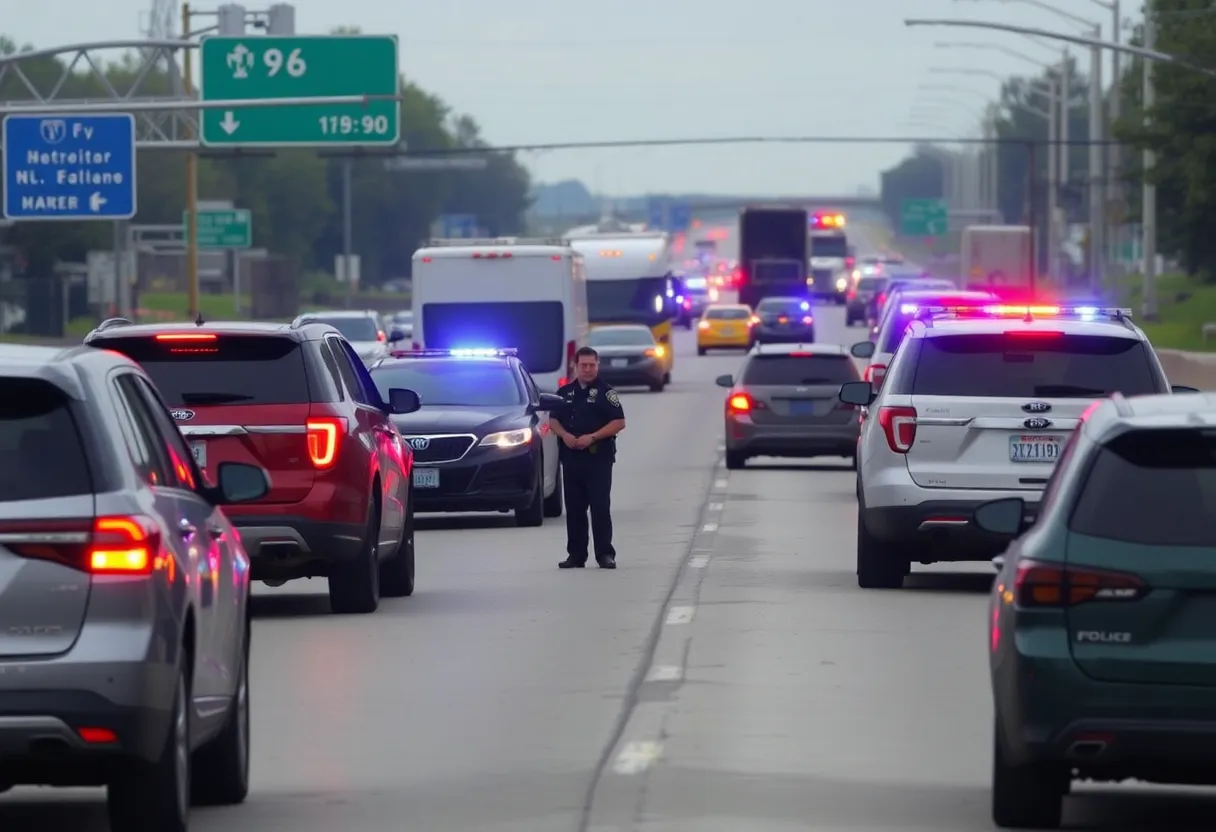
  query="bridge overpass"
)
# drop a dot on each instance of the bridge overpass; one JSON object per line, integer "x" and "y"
{"x": 842, "y": 204}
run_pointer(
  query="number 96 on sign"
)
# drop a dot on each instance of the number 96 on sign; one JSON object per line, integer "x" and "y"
{"x": 1035, "y": 448}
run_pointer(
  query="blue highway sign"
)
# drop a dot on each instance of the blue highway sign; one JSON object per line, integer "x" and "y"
{"x": 680, "y": 217}
{"x": 69, "y": 167}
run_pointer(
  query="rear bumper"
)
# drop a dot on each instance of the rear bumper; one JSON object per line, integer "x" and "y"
{"x": 286, "y": 546}
{"x": 945, "y": 526}
{"x": 504, "y": 482}
{"x": 749, "y": 438}
{"x": 708, "y": 341}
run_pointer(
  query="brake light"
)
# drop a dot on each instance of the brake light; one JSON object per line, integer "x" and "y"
{"x": 740, "y": 403}
{"x": 1055, "y": 585}
{"x": 381, "y": 337}
{"x": 324, "y": 436}
{"x": 703, "y": 325}
{"x": 875, "y": 373}
{"x": 848, "y": 262}
{"x": 882, "y": 298}
{"x": 687, "y": 303}
{"x": 753, "y": 320}
{"x": 117, "y": 545}
{"x": 1031, "y": 333}
{"x": 186, "y": 336}
{"x": 899, "y": 425}
{"x": 807, "y": 319}
{"x": 852, "y": 293}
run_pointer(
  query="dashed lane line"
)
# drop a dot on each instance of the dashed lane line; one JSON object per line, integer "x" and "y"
{"x": 637, "y": 757}
{"x": 680, "y": 615}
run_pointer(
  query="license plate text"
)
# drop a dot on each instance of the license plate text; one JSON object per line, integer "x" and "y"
{"x": 426, "y": 478}
{"x": 1027, "y": 448}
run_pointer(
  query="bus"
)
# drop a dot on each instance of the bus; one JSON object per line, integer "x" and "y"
{"x": 630, "y": 280}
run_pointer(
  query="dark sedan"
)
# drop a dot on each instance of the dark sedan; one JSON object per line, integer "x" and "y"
{"x": 629, "y": 356}
{"x": 861, "y": 297}
{"x": 784, "y": 321}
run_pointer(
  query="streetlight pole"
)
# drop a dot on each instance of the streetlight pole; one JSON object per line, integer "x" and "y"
{"x": 1148, "y": 199}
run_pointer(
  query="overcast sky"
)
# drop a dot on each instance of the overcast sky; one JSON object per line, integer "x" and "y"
{"x": 546, "y": 71}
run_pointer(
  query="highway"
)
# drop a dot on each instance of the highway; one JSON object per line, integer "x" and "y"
{"x": 728, "y": 676}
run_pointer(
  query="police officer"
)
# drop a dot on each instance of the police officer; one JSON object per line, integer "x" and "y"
{"x": 587, "y": 426}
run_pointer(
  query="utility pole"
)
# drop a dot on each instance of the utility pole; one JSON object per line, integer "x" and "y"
{"x": 1097, "y": 173}
{"x": 1114, "y": 185}
{"x": 191, "y": 181}
{"x": 1148, "y": 199}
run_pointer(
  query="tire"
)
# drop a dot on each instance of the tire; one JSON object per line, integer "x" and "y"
{"x": 397, "y": 573}
{"x": 1027, "y": 796}
{"x": 221, "y": 767}
{"x": 701, "y": 350}
{"x": 553, "y": 503}
{"x": 852, "y": 463}
{"x": 879, "y": 566}
{"x": 155, "y": 797}
{"x": 657, "y": 386}
{"x": 354, "y": 586}
{"x": 667, "y": 377}
{"x": 735, "y": 460}
{"x": 534, "y": 514}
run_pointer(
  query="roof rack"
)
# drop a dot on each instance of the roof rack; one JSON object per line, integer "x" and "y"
{"x": 456, "y": 353}
{"x": 110, "y": 323}
{"x": 455, "y": 242}
{"x": 1122, "y": 406}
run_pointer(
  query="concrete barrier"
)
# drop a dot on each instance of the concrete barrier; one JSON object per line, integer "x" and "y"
{"x": 1193, "y": 369}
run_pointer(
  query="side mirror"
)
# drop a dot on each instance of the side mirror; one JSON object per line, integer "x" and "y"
{"x": 402, "y": 401}
{"x": 1182, "y": 388}
{"x": 240, "y": 483}
{"x": 396, "y": 335}
{"x": 998, "y": 563}
{"x": 862, "y": 349}
{"x": 1005, "y": 517}
{"x": 857, "y": 393}
{"x": 725, "y": 381}
{"x": 550, "y": 401}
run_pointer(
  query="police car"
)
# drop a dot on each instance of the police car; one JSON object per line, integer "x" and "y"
{"x": 481, "y": 438}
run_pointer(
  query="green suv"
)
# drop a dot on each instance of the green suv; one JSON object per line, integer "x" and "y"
{"x": 1103, "y": 618}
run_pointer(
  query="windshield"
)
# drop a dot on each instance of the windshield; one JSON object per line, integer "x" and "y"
{"x": 238, "y": 369}
{"x": 534, "y": 328}
{"x": 829, "y": 247}
{"x": 621, "y": 336}
{"x": 792, "y": 370}
{"x": 642, "y": 299}
{"x": 352, "y": 329}
{"x": 452, "y": 382}
{"x": 1026, "y": 365}
{"x": 739, "y": 314}
{"x": 783, "y": 306}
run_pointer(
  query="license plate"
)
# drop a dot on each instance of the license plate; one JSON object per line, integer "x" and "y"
{"x": 783, "y": 320}
{"x": 426, "y": 478}
{"x": 729, "y": 330}
{"x": 1031, "y": 448}
{"x": 803, "y": 408}
{"x": 199, "y": 449}
{"x": 620, "y": 362}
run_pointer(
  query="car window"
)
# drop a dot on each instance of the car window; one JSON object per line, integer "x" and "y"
{"x": 795, "y": 370}
{"x": 232, "y": 369}
{"x": 1152, "y": 487}
{"x": 610, "y": 336}
{"x": 182, "y": 466}
{"x": 1047, "y": 365}
{"x": 452, "y": 382}
{"x": 42, "y": 455}
{"x": 352, "y": 329}
{"x": 783, "y": 306}
{"x": 157, "y": 464}
{"x": 331, "y": 366}
{"x": 346, "y": 369}
{"x": 728, "y": 314}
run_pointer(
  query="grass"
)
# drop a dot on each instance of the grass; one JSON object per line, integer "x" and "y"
{"x": 1184, "y": 305}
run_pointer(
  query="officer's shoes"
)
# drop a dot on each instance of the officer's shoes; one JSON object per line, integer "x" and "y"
{"x": 571, "y": 563}
{"x": 608, "y": 563}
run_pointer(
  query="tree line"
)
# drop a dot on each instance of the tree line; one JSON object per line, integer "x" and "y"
{"x": 295, "y": 195}
{"x": 1180, "y": 132}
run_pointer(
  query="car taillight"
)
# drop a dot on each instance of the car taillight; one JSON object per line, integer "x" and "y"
{"x": 875, "y": 373}
{"x": 852, "y": 295}
{"x": 741, "y": 403}
{"x": 381, "y": 337}
{"x": 753, "y": 321}
{"x": 882, "y": 298}
{"x": 116, "y": 545}
{"x": 324, "y": 437}
{"x": 807, "y": 319}
{"x": 687, "y": 303}
{"x": 703, "y": 325}
{"x": 1055, "y": 585}
{"x": 899, "y": 425}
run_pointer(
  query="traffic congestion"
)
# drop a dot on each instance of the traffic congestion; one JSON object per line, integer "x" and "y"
{"x": 895, "y": 551}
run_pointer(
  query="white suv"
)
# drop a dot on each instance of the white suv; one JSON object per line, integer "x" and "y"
{"x": 976, "y": 406}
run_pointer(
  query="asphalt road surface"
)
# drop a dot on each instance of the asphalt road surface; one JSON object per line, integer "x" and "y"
{"x": 728, "y": 676}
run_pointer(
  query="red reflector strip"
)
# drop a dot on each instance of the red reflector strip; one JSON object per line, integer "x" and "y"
{"x": 97, "y": 736}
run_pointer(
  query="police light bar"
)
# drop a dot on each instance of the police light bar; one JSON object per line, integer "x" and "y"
{"x": 828, "y": 220}
{"x": 456, "y": 353}
{"x": 1086, "y": 313}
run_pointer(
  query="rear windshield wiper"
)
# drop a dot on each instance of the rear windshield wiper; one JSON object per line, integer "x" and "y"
{"x": 213, "y": 398}
{"x": 1064, "y": 390}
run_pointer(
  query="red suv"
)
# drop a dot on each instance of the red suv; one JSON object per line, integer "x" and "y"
{"x": 297, "y": 401}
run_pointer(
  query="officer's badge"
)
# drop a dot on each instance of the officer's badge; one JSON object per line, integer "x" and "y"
{"x": 613, "y": 398}
{"x": 591, "y": 393}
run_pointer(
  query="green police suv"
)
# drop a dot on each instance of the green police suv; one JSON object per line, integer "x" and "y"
{"x": 1103, "y": 618}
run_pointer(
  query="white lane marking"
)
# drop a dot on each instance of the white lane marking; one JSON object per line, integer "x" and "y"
{"x": 715, "y": 506}
{"x": 665, "y": 673}
{"x": 710, "y": 527}
{"x": 698, "y": 561}
{"x": 720, "y": 483}
{"x": 636, "y": 757}
{"x": 680, "y": 615}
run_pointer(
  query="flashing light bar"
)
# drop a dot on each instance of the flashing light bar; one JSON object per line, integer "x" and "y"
{"x": 828, "y": 220}
{"x": 998, "y": 310}
{"x": 474, "y": 352}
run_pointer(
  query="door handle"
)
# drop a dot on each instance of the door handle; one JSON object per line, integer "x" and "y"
{"x": 186, "y": 529}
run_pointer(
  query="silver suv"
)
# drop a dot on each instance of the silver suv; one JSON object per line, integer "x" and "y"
{"x": 124, "y": 630}
{"x": 976, "y": 406}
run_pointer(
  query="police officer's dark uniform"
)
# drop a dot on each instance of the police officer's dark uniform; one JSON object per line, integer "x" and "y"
{"x": 587, "y": 473}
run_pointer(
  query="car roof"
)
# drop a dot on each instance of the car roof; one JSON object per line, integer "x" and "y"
{"x": 1113, "y": 416}
{"x": 115, "y": 327}
{"x": 338, "y": 313}
{"x": 789, "y": 349}
{"x": 57, "y": 365}
{"x": 1108, "y": 327}
{"x": 743, "y": 306}
{"x": 954, "y": 294}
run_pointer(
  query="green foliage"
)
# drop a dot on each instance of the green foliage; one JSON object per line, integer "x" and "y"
{"x": 295, "y": 195}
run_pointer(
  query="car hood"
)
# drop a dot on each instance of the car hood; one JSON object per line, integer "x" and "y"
{"x": 460, "y": 419}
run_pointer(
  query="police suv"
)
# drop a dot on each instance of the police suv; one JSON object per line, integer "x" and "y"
{"x": 976, "y": 406}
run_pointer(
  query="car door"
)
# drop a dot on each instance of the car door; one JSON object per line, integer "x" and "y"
{"x": 378, "y": 433}
{"x": 227, "y": 563}
{"x": 172, "y": 476}
{"x": 548, "y": 439}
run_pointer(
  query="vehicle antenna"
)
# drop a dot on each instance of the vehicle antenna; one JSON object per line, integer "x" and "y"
{"x": 199, "y": 320}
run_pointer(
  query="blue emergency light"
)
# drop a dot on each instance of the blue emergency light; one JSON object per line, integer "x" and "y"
{"x": 470, "y": 352}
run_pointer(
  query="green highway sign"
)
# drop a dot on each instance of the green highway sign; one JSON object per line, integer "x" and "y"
{"x": 254, "y": 68}
{"x": 222, "y": 228}
{"x": 924, "y": 218}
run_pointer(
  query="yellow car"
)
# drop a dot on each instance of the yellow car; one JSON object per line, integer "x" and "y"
{"x": 725, "y": 326}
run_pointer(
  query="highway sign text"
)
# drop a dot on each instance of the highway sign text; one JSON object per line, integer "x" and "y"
{"x": 69, "y": 167}
{"x": 255, "y": 68}
{"x": 222, "y": 228}
{"x": 924, "y": 218}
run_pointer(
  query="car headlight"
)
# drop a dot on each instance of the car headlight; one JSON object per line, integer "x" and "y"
{"x": 841, "y": 283}
{"x": 507, "y": 438}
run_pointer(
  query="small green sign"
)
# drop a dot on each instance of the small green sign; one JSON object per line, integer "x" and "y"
{"x": 222, "y": 228}
{"x": 924, "y": 218}
{"x": 300, "y": 67}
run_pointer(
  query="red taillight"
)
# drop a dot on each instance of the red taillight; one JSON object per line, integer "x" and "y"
{"x": 118, "y": 545}
{"x": 875, "y": 373}
{"x": 687, "y": 304}
{"x": 381, "y": 337}
{"x": 848, "y": 262}
{"x": 324, "y": 437}
{"x": 1031, "y": 333}
{"x": 186, "y": 336}
{"x": 881, "y": 300}
{"x": 899, "y": 425}
{"x": 807, "y": 319}
{"x": 740, "y": 403}
{"x": 1055, "y": 585}
{"x": 97, "y": 736}
{"x": 852, "y": 294}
